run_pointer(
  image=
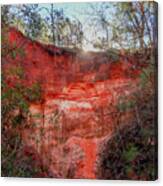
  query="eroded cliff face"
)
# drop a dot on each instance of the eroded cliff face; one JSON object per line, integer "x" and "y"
{"x": 79, "y": 111}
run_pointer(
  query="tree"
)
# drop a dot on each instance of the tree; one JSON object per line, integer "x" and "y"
{"x": 128, "y": 25}
{"x": 134, "y": 23}
{"x": 98, "y": 16}
{"x": 74, "y": 34}
{"x": 32, "y": 20}
{"x": 54, "y": 20}
{"x": 64, "y": 31}
{"x": 5, "y": 14}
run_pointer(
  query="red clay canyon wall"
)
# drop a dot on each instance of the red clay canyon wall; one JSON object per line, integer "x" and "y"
{"x": 81, "y": 92}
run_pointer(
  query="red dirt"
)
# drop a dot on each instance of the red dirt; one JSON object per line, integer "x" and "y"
{"x": 77, "y": 108}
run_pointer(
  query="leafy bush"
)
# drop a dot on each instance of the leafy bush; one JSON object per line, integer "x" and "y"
{"x": 15, "y": 99}
{"x": 132, "y": 151}
{"x": 15, "y": 109}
